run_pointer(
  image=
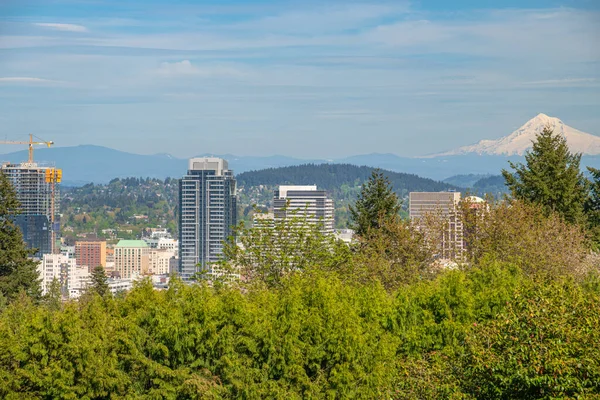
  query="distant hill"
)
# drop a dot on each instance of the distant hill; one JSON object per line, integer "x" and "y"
{"x": 333, "y": 176}
{"x": 465, "y": 181}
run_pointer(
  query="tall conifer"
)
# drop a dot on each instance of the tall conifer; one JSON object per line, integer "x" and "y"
{"x": 550, "y": 177}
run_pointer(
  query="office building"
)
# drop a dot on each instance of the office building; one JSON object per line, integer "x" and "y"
{"x": 163, "y": 243}
{"x": 37, "y": 189}
{"x": 207, "y": 214}
{"x": 131, "y": 258}
{"x": 307, "y": 202}
{"x": 439, "y": 209}
{"x": 91, "y": 253}
{"x": 159, "y": 261}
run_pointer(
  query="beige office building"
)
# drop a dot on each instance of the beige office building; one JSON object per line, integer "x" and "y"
{"x": 159, "y": 261}
{"x": 132, "y": 258}
{"x": 443, "y": 208}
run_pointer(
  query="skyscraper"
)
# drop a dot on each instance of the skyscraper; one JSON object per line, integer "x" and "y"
{"x": 37, "y": 189}
{"x": 305, "y": 201}
{"x": 207, "y": 214}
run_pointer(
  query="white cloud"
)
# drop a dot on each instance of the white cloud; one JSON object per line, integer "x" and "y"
{"x": 186, "y": 68}
{"x": 27, "y": 80}
{"x": 62, "y": 27}
{"x": 562, "y": 82}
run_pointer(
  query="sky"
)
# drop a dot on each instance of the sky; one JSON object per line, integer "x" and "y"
{"x": 309, "y": 79}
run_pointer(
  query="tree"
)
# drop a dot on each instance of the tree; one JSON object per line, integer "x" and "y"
{"x": 99, "y": 281}
{"x": 550, "y": 178}
{"x": 376, "y": 203}
{"x": 592, "y": 205}
{"x": 17, "y": 271}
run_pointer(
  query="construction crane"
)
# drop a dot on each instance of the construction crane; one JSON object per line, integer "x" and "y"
{"x": 30, "y": 144}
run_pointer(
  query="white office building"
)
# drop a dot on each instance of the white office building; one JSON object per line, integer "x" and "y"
{"x": 305, "y": 201}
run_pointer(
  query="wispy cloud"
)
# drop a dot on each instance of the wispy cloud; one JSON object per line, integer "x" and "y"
{"x": 562, "y": 82}
{"x": 62, "y": 27}
{"x": 186, "y": 68}
{"x": 28, "y": 80}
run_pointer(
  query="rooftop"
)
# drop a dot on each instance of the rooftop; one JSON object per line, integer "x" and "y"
{"x": 132, "y": 243}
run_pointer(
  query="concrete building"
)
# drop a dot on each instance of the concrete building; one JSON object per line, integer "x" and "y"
{"x": 116, "y": 285}
{"x": 159, "y": 261}
{"x": 207, "y": 214}
{"x": 38, "y": 192}
{"x": 131, "y": 258}
{"x": 73, "y": 280}
{"x": 163, "y": 243}
{"x": 441, "y": 208}
{"x": 91, "y": 253}
{"x": 307, "y": 202}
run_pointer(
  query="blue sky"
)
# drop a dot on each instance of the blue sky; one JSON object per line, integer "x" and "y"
{"x": 300, "y": 78}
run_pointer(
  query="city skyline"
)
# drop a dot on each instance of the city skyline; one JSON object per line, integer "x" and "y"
{"x": 273, "y": 77}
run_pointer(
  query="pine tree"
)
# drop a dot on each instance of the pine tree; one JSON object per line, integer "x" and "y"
{"x": 17, "y": 271}
{"x": 99, "y": 282}
{"x": 550, "y": 178}
{"x": 376, "y": 202}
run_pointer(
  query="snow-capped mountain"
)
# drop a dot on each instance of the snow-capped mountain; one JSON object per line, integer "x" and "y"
{"x": 518, "y": 142}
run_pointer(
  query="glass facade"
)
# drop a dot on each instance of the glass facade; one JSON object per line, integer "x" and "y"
{"x": 207, "y": 214}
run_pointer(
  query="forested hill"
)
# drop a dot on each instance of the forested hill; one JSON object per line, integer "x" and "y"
{"x": 333, "y": 176}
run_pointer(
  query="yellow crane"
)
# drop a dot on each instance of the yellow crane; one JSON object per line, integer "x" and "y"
{"x": 30, "y": 144}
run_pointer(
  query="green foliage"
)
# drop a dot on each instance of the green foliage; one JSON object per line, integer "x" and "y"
{"x": 550, "y": 178}
{"x": 99, "y": 281}
{"x": 272, "y": 249}
{"x": 376, "y": 203}
{"x": 17, "y": 272}
{"x": 544, "y": 345}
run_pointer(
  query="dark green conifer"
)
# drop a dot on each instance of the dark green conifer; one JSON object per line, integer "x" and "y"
{"x": 99, "y": 282}
{"x": 376, "y": 202}
{"x": 550, "y": 177}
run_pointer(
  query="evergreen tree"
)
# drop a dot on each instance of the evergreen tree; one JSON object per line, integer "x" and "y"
{"x": 592, "y": 204}
{"x": 376, "y": 202}
{"x": 550, "y": 178}
{"x": 53, "y": 297}
{"x": 99, "y": 281}
{"x": 17, "y": 271}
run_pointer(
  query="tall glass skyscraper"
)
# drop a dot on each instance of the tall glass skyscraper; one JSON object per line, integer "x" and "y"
{"x": 207, "y": 214}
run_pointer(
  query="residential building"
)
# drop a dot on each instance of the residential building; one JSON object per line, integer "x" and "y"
{"x": 71, "y": 278}
{"x": 441, "y": 210}
{"x": 306, "y": 202}
{"x": 131, "y": 258}
{"x": 38, "y": 191}
{"x": 91, "y": 253}
{"x": 159, "y": 261}
{"x": 207, "y": 214}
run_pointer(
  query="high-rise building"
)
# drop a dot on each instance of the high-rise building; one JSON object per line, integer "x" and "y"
{"x": 37, "y": 189}
{"x": 131, "y": 258}
{"x": 307, "y": 202}
{"x": 207, "y": 214}
{"x": 441, "y": 209}
{"x": 91, "y": 253}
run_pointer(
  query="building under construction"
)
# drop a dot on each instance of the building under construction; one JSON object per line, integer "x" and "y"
{"x": 37, "y": 188}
